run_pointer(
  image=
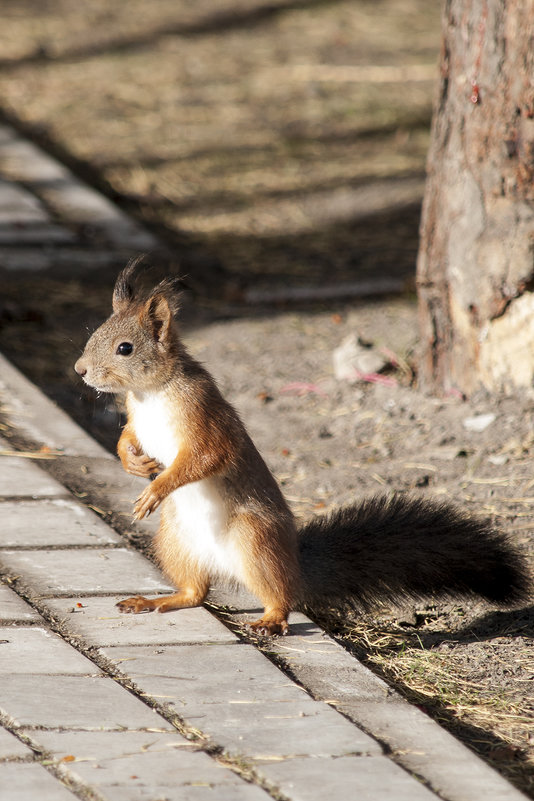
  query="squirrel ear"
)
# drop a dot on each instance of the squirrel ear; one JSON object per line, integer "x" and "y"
{"x": 156, "y": 314}
{"x": 123, "y": 292}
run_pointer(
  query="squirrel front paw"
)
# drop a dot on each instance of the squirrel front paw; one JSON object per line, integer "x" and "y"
{"x": 139, "y": 464}
{"x": 148, "y": 502}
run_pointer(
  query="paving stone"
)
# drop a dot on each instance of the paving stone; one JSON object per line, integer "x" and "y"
{"x": 326, "y": 666}
{"x": 142, "y": 765}
{"x": 234, "y": 694}
{"x": 13, "y": 609}
{"x": 33, "y": 233}
{"x": 225, "y": 672}
{"x": 71, "y": 259}
{"x": 77, "y": 702}
{"x": 202, "y": 792}
{"x": 11, "y": 747}
{"x": 23, "y": 781}
{"x": 72, "y": 199}
{"x": 17, "y": 206}
{"x": 72, "y": 572}
{"x": 19, "y": 478}
{"x": 53, "y": 522}
{"x": 100, "y": 623}
{"x": 40, "y": 419}
{"x": 38, "y": 651}
{"x": 17, "y": 259}
{"x": 428, "y": 750}
{"x": 352, "y": 777}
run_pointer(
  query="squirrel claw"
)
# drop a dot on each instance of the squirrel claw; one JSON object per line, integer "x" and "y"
{"x": 135, "y": 605}
{"x": 147, "y": 502}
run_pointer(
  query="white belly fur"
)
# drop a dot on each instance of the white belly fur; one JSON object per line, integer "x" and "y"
{"x": 200, "y": 511}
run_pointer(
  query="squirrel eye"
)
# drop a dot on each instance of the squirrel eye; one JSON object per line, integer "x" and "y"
{"x": 125, "y": 348}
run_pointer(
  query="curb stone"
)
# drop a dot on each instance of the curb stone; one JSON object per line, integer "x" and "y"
{"x": 290, "y": 738}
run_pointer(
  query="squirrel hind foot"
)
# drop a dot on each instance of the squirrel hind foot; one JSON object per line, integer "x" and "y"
{"x": 268, "y": 626}
{"x": 137, "y": 604}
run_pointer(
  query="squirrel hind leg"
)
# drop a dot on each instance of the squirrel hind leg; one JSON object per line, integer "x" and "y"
{"x": 184, "y": 599}
{"x": 270, "y": 569}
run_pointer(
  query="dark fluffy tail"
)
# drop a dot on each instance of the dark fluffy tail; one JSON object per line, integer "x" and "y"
{"x": 393, "y": 549}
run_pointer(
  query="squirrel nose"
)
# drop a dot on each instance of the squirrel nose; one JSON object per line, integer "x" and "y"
{"x": 80, "y": 368}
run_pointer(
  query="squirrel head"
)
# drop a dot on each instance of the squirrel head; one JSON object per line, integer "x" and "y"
{"x": 135, "y": 348}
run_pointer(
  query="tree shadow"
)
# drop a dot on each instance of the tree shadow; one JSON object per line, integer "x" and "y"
{"x": 216, "y": 22}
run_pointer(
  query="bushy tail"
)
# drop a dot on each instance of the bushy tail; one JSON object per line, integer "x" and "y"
{"x": 393, "y": 549}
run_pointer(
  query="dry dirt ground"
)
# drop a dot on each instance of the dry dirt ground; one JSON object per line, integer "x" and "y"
{"x": 253, "y": 138}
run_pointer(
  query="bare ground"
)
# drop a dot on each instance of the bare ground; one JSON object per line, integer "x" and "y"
{"x": 251, "y": 139}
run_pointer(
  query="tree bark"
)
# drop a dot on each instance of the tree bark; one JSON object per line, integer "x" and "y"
{"x": 475, "y": 269}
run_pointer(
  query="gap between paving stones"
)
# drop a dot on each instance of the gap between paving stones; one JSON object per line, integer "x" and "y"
{"x": 237, "y": 764}
{"x": 39, "y": 758}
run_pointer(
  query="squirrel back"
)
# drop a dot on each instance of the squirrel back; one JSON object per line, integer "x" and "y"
{"x": 223, "y": 513}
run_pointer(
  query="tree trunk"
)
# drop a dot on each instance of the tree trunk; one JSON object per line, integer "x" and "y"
{"x": 475, "y": 270}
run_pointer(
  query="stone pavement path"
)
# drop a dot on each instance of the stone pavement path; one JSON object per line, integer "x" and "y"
{"x": 50, "y": 219}
{"x": 95, "y": 705}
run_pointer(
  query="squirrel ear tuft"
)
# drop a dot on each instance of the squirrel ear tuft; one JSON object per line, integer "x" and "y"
{"x": 157, "y": 315}
{"x": 169, "y": 289}
{"x": 123, "y": 292}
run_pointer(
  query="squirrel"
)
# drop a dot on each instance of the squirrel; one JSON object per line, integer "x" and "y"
{"x": 223, "y": 514}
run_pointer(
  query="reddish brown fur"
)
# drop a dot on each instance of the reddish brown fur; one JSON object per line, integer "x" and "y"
{"x": 271, "y": 566}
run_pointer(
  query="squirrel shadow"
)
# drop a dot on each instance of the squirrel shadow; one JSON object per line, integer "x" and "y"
{"x": 492, "y": 624}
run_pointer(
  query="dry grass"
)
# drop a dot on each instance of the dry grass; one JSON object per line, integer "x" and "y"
{"x": 493, "y": 717}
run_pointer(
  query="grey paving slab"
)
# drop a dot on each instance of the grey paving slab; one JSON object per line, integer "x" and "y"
{"x": 13, "y": 609}
{"x": 17, "y": 206}
{"x": 65, "y": 259}
{"x": 241, "y": 700}
{"x": 199, "y": 792}
{"x": 35, "y": 233}
{"x": 142, "y": 765}
{"x": 36, "y": 650}
{"x": 428, "y": 750}
{"x": 71, "y": 571}
{"x": 350, "y": 777}
{"x": 23, "y": 781}
{"x": 57, "y": 521}
{"x": 19, "y": 478}
{"x": 40, "y": 419}
{"x": 18, "y": 259}
{"x": 23, "y": 161}
{"x": 75, "y": 702}
{"x": 333, "y": 672}
{"x": 221, "y": 672}
{"x": 11, "y": 747}
{"x": 100, "y": 623}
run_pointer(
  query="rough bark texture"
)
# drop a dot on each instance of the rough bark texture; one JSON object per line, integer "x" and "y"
{"x": 476, "y": 260}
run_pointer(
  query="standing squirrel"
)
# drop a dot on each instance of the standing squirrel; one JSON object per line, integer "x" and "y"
{"x": 223, "y": 513}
